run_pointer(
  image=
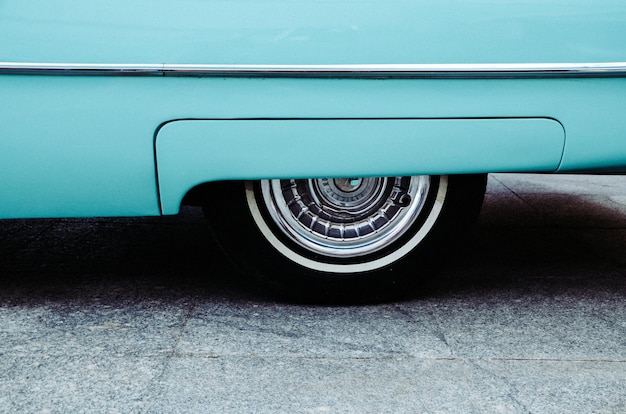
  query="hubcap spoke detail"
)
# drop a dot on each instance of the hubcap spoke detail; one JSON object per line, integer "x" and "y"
{"x": 345, "y": 217}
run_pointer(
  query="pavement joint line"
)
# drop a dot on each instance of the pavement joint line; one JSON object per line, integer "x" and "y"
{"x": 338, "y": 358}
{"x": 512, "y": 389}
{"x": 158, "y": 379}
{"x": 437, "y": 332}
{"x": 514, "y": 193}
{"x": 473, "y": 395}
{"x": 604, "y": 361}
{"x": 386, "y": 357}
{"x": 258, "y": 330}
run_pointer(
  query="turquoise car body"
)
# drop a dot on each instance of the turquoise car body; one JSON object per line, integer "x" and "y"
{"x": 119, "y": 108}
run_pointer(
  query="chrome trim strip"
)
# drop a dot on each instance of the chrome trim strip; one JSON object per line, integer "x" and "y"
{"x": 73, "y": 69}
{"x": 377, "y": 71}
{"x": 427, "y": 71}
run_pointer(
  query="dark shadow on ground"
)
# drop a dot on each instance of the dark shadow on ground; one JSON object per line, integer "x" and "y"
{"x": 551, "y": 247}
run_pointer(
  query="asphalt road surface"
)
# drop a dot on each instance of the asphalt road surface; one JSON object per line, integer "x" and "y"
{"x": 145, "y": 315}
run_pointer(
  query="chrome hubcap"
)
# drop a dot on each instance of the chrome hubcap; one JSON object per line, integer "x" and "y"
{"x": 345, "y": 217}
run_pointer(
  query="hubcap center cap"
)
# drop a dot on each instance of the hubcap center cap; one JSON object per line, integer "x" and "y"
{"x": 348, "y": 185}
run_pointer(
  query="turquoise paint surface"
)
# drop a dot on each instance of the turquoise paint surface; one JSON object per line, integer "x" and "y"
{"x": 74, "y": 147}
{"x": 312, "y": 31}
{"x": 237, "y": 150}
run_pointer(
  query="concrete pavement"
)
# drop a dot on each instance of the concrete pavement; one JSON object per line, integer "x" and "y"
{"x": 144, "y": 315}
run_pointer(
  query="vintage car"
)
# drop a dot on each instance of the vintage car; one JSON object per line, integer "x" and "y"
{"x": 336, "y": 146}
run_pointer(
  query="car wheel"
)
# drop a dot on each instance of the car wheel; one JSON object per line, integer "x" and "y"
{"x": 344, "y": 239}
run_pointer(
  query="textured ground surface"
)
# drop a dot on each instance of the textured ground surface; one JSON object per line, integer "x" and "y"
{"x": 144, "y": 315}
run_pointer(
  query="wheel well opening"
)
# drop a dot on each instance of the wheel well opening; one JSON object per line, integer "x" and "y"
{"x": 204, "y": 193}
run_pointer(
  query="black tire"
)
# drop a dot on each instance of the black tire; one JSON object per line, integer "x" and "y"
{"x": 346, "y": 240}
